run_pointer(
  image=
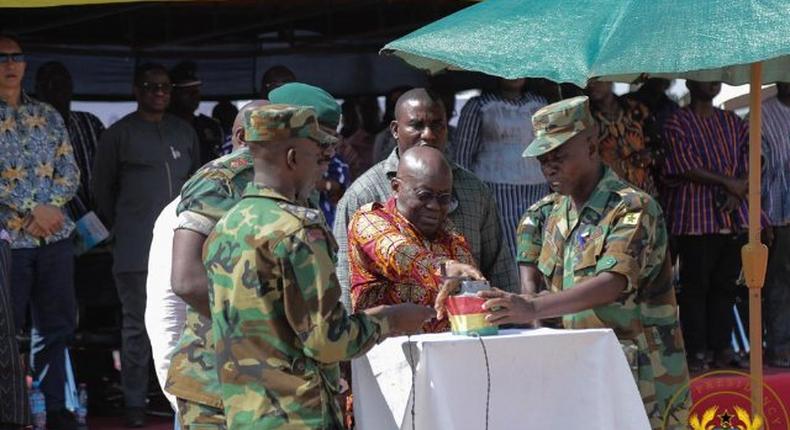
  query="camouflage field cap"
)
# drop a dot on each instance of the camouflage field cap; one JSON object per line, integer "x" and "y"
{"x": 554, "y": 124}
{"x": 275, "y": 122}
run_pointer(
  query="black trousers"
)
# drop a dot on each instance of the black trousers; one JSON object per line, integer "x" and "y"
{"x": 136, "y": 348}
{"x": 14, "y": 411}
{"x": 42, "y": 279}
{"x": 709, "y": 268}
{"x": 777, "y": 295}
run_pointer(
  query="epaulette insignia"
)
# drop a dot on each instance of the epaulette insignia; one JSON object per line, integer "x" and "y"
{"x": 309, "y": 216}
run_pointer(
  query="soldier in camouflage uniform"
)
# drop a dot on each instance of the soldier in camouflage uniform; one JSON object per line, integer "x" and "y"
{"x": 278, "y": 325}
{"x": 205, "y": 198}
{"x": 599, "y": 246}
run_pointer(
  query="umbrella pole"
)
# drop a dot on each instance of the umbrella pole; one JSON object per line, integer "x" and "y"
{"x": 755, "y": 254}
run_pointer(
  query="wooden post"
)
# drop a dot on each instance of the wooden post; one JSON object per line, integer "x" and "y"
{"x": 755, "y": 254}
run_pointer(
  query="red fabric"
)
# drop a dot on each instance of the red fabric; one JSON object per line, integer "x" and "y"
{"x": 391, "y": 262}
{"x": 728, "y": 390}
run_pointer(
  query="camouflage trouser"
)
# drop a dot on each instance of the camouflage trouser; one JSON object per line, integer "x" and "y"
{"x": 196, "y": 416}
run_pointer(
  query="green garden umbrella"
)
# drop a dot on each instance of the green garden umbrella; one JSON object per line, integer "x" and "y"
{"x": 573, "y": 40}
{"x": 621, "y": 40}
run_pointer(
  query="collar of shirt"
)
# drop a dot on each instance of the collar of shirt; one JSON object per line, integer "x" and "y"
{"x": 257, "y": 190}
{"x": 597, "y": 202}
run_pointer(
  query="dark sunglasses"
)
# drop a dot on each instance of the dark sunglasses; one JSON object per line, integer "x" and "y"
{"x": 12, "y": 57}
{"x": 151, "y": 87}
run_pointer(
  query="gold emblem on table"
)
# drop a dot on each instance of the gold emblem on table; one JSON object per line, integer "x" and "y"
{"x": 710, "y": 420}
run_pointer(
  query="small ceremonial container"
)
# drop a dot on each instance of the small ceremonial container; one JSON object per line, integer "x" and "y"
{"x": 466, "y": 313}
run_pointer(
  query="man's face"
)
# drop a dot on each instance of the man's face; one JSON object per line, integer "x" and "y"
{"x": 153, "y": 94}
{"x": 186, "y": 98}
{"x": 419, "y": 124}
{"x": 311, "y": 162}
{"x": 598, "y": 90}
{"x": 12, "y": 64}
{"x": 704, "y": 90}
{"x": 424, "y": 200}
{"x": 565, "y": 167}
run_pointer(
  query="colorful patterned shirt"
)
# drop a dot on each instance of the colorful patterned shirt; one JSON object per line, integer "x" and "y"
{"x": 620, "y": 230}
{"x": 37, "y": 167}
{"x": 473, "y": 212}
{"x": 205, "y": 198}
{"x": 279, "y": 327}
{"x": 492, "y": 133}
{"x": 392, "y": 262}
{"x": 624, "y": 146}
{"x": 776, "y": 173}
{"x": 718, "y": 144}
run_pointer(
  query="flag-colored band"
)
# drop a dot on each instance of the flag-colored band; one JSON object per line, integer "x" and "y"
{"x": 459, "y": 305}
{"x": 472, "y": 324}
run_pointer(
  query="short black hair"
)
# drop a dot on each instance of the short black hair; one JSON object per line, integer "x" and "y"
{"x": 12, "y": 38}
{"x": 142, "y": 69}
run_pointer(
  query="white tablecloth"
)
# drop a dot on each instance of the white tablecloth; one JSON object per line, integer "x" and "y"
{"x": 540, "y": 379}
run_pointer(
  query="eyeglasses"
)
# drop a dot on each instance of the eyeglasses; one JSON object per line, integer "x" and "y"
{"x": 424, "y": 196}
{"x": 152, "y": 87}
{"x": 12, "y": 57}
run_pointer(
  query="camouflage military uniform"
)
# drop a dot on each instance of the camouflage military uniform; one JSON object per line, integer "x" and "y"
{"x": 619, "y": 230}
{"x": 192, "y": 377}
{"x": 279, "y": 327}
{"x": 205, "y": 198}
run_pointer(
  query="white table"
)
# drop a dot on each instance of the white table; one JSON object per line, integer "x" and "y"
{"x": 540, "y": 379}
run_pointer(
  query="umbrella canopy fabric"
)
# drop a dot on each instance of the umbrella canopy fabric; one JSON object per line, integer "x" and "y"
{"x": 574, "y": 40}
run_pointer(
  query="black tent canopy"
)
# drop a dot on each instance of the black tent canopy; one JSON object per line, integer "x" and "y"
{"x": 330, "y": 43}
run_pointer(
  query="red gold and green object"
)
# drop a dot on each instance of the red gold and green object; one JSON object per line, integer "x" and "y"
{"x": 467, "y": 316}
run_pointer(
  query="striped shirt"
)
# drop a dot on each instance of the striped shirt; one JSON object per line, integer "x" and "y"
{"x": 493, "y": 132}
{"x": 84, "y": 132}
{"x": 718, "y": 144}
{"x": 776, "y": 173}
{"x": 473, "y": 212}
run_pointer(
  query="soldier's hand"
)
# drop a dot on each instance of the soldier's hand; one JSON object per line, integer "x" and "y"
{"x": 507, "y": 308}
{"x": 407, "y": 318}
